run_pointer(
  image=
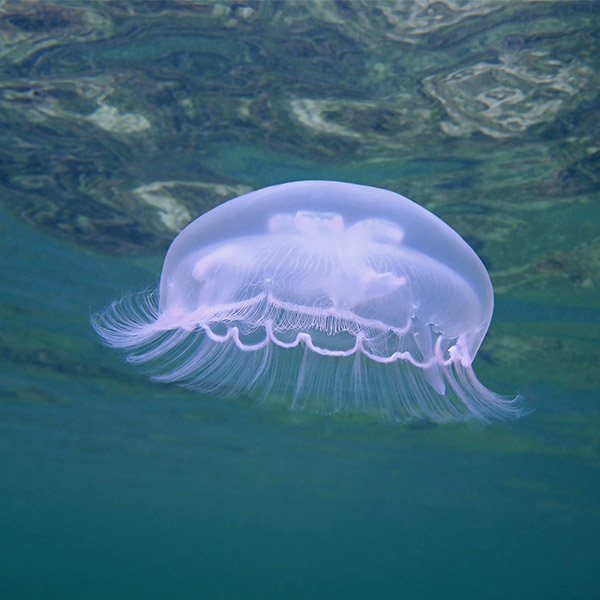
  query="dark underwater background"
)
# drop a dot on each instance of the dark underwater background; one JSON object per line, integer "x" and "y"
{"x": 122, "y": 121}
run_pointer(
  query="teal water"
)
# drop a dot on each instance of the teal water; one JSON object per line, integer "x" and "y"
{"x": 114, "y": 487}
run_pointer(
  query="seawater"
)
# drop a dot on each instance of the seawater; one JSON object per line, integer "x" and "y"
{"x": 114, "y": 487}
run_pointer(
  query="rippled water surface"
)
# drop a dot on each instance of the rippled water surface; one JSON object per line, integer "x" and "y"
{"x": 123, "y": 121}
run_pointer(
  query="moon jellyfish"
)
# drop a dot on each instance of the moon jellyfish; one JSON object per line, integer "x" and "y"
{"x": 322, "y": 295}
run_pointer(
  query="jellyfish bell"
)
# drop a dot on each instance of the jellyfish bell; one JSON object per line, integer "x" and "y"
{"x": 328, "y": 296}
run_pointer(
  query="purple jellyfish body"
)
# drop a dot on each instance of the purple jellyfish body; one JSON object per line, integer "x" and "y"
{"x": 328, "y": 296}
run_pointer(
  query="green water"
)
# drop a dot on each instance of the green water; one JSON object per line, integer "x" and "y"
{"x": 114, "y": 487}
